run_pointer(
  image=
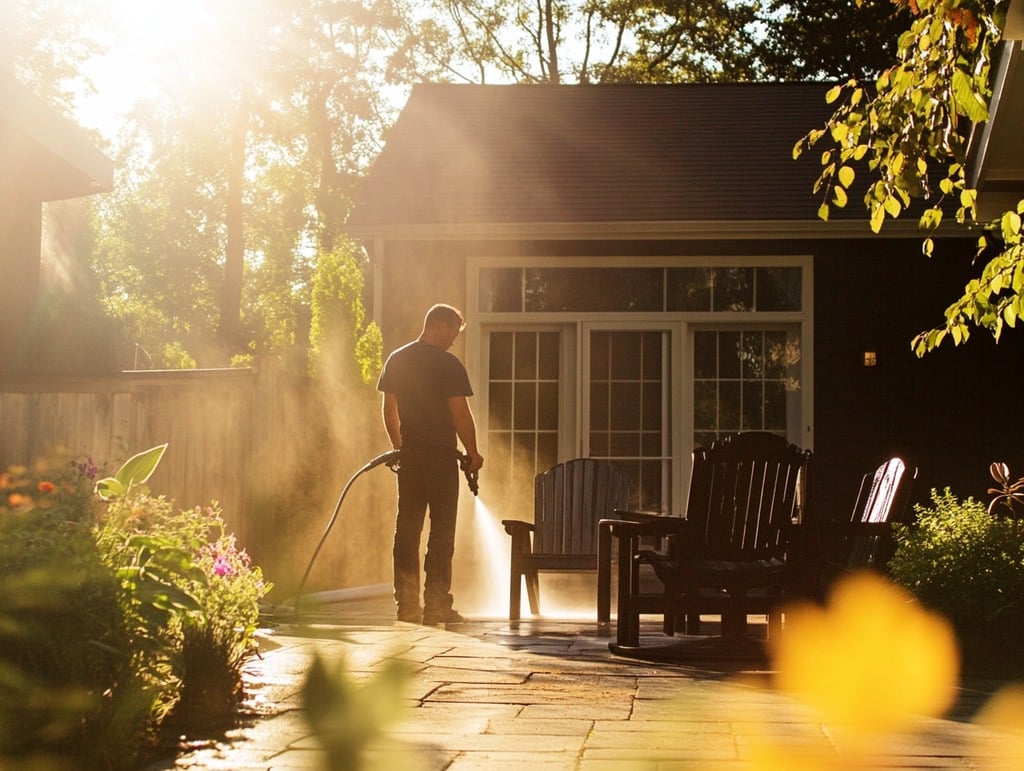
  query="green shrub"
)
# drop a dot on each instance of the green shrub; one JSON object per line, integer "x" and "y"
{"x": 65, "y": 666}
{"x": 963, "y": 562}
{"x": 114, "y": 609}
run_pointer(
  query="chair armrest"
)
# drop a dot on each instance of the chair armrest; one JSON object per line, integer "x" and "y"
{"x": 852, "y": 529}
{"x": 512, "y": 526}
{"x": 657, "y": 526}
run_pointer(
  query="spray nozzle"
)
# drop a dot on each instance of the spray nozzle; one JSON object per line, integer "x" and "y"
{"x": 472, "y": 477}
{"x": 389, "y": 458}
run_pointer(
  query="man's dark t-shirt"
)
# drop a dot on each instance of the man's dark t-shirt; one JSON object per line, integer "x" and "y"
{"x": 424, "y": 377}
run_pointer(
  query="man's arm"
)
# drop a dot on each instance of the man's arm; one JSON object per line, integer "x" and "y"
{"x": 392, "y": 424}
{"x": 465, "y": 427}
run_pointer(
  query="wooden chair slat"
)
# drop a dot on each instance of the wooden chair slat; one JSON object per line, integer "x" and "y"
{"x": 569, "y": 500}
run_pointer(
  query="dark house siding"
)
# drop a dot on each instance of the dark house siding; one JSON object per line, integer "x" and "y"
{"x": 656, "y": 161}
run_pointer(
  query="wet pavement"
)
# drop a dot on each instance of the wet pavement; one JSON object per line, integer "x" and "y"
{"x": 548, "y": 694}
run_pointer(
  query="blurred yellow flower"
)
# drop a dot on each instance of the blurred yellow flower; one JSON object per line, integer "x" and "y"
{"x": 872, "y": 660}
{"x": 1004, "y": 715}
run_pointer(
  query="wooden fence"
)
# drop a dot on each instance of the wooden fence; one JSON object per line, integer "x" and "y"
{"x": 261, "y": 442}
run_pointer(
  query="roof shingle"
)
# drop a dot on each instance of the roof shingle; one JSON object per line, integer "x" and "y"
{"x": 461, "y": 154}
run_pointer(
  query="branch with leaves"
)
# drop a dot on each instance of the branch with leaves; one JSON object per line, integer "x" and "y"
{"x": 911, "y": 129}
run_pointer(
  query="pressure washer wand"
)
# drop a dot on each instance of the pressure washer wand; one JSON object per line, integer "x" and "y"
{"x": 390, "y": 459}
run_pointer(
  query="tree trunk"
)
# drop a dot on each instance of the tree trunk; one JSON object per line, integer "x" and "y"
{"x": 230, "y": 331}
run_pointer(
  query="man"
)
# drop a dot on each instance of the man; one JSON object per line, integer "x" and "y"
{"x": 425, "y": 407}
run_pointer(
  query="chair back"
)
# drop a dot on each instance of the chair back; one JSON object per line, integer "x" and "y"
{"x": 745, "y": 492}
{"x": 570, "y": 499}
{"x": 884, "y": 497}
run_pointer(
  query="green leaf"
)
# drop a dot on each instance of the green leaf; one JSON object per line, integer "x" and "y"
{"x": 967, "y": 100}
{"x": 839, "y": 197}
{"x": 1010, "y": 224}
{"x": 846, "y": 176}
{"x": 893, "y": 207}
{"x": 877, "y": 218}
{"x": 823, "y": 212}
{"x": 832, "y": 94}
{"x": 135, "y": 471}
{"x": 927, "y": 247}
{"x": 140, "y": 467}
{"x": 930, "y": 218}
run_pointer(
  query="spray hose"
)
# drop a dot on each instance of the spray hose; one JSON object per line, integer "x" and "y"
{"x": 391, "y": 460}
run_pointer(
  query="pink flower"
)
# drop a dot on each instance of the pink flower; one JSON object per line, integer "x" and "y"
{"x": 222, "y": 567}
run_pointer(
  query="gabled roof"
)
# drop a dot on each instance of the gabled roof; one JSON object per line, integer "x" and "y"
{"x": 471, "y": 154}
{"x": 50, "y": 156}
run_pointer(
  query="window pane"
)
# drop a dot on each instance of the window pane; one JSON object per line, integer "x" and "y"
{"x": 593, "y": 289}
{"x": 653, "y": 356}
{"x": 705, "y": 354}
{"x": 689, "y": 289}
{"x": 501, "y": 355}
{"x": 501, "y": 290}
{"x": 753, "y": 405}
{"x": 526, "y": 355}
{"x": 499, "y": 406}
{"x": 547, "y": 406}
{"x": 733, "y": 289}
{"x": 778, "y": 289}
{"x": 729, "y": 354}
{"x": 705, "y": 405}
{"x": 625, "y": 406}
{"x": 548, "y": 355}
{"x": 525, "y": 407}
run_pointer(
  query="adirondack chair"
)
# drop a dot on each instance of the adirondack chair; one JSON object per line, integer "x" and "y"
{"x": 730, "y": 551}
{"x": 864, "y": 541}
{"x": 569, "y": 500}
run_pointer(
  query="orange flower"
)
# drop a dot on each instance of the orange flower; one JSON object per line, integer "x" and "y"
{"x": 46, "y": 487}
{"x": 14, "y": 500}
{"x": 5, "y": 480}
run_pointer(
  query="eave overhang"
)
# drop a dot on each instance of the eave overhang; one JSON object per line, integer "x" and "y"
{"x": 995, "y": 151}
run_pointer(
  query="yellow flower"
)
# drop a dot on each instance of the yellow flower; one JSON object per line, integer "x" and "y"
{"x": 872, "y": 660}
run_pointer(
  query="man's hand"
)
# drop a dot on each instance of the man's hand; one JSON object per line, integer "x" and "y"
{"x": 476, "y": 461}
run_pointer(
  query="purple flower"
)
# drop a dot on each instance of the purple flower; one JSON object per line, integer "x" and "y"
{"x": 222, "y": 567}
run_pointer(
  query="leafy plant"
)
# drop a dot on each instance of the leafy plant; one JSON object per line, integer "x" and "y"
{"x": 962, "y": 561}
{"x": 192, "y": 597}
{"x": 114, "y": 608}
{"x": 1009, "y": 493}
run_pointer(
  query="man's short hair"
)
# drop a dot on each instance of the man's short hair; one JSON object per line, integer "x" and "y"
{"x": 444, "y": 314}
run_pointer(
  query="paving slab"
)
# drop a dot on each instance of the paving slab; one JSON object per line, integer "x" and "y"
{"x": 547, "y": 694}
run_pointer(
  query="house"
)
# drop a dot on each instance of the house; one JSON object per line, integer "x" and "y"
{"x": 643, "y": 269}
{"x": 44, "y": 157}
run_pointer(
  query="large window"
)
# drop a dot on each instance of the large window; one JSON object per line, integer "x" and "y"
{"x": 637, "y": 364}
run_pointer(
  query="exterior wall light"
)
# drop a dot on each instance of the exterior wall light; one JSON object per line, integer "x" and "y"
{"x": 870, "y": 359}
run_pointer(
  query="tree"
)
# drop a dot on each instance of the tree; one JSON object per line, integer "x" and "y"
{"x": 44, "y": 43}
{"x": 598, "y": 41}
{"x": 248, "y": 163}
{"x": 829, "y": 40}
{"x": 911, "y": 130}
